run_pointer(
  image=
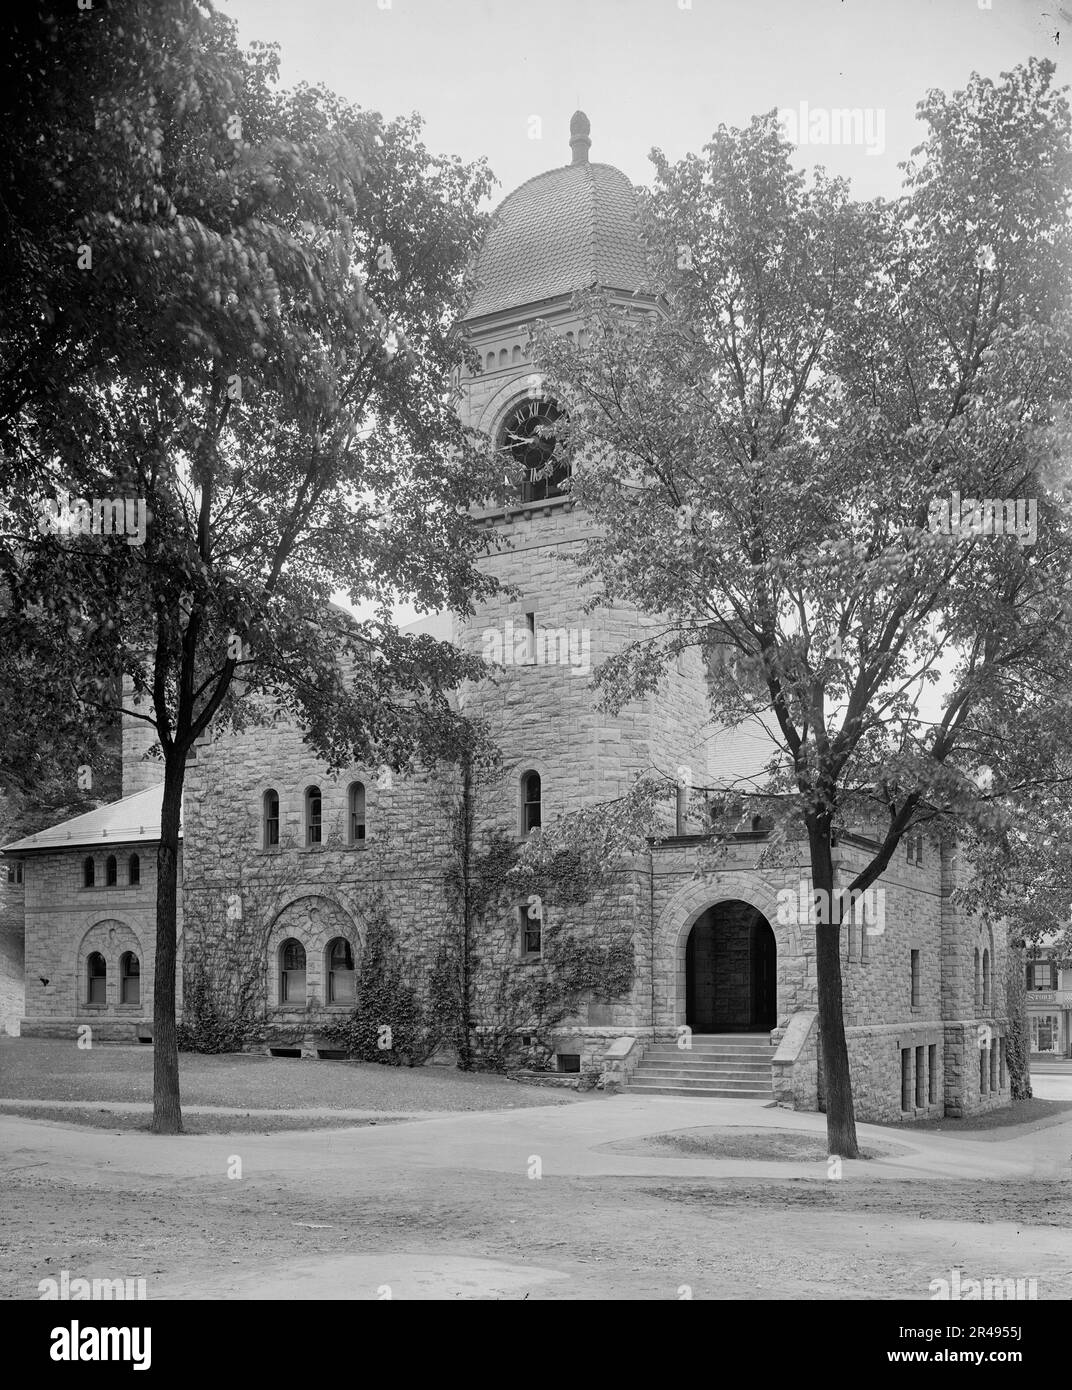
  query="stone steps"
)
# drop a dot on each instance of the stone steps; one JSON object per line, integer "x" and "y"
{"x": 725, "y": 1066}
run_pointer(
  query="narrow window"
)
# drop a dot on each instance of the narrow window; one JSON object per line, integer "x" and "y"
{"x": 984, "y": 1070}
{"x": 993, "y": 1051}
{"x": 14, "y": 872}
{"x": 932, "y": 1074}
{"x": 342, "y": 988}
{"x": 530, "y": 639}
{"x": 920, "y": 1079}
{"x": 919, "y": 849}
{"x": 531, "y": 802}
{"x": 531, "y": 932}
{"x": 292, "y": 973}
{"x": 129, "y": 978}
{"x": 134, "y": 871}
{"x": 97, "y": 971}
{"x": 313, "y": 824}
{"x": 906, "y": 1078}
{"x": 1004, "y": 1063}
{"x": 986, "y": 979}
{"x": 915, "y": 979}
{"x": 978, "y": 980}
{"x": 357, "y": 812}
{"x": 111, "y": 872}
{"x": 88, "y": 872}
{"x": 271, "y": 820}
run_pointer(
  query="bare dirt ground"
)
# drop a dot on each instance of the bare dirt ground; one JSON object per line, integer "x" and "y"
{"x": 607, "y": 1198}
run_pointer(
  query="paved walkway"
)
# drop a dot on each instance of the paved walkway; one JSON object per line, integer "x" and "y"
{"x": 578, "y": 1140}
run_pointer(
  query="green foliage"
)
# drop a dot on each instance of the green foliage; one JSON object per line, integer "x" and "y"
{"x": 390, "y": 1022}
{"x": 235, "y": 303}
{"x": 494, "y": 995}
{"x": 1018, "y": 1033}
{"x": 216, "y": 1016}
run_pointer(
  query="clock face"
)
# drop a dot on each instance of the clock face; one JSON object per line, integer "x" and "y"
{"x": 528, "y": 435}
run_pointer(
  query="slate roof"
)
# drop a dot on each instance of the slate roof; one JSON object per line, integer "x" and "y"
{"x": 133, "y": 820}
{"x": 562, "y": 231}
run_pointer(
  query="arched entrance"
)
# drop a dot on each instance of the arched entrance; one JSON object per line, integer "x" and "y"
{"x": 730, "y": 978}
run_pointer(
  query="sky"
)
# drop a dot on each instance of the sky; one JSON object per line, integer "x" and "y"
{"x": 649, "y": 73}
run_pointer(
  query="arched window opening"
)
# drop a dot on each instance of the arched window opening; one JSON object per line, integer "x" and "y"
{"x": 313, "y": 816}
{"x": 111, "y": 871}
{"x": 342, "y": 978}
{"x": 292, "y": 973}
{"x": 89, "y": 872}
{"x": 986, "y": 979}
{"x": 271, "y": 820}
{"x": 531, "y": 802}
{"x": 134, "y": 871}
{"x": 97, "y": 979}
{"x": 357, "y": 813}
{"x": 129, "y": 978}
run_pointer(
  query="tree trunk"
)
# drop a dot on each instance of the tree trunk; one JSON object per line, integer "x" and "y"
{"x": 167, "y": 1116}
{"x": 1019, "y": 1036}
{"x": 837, "y": 1083}
{"x": 465, "y": 964}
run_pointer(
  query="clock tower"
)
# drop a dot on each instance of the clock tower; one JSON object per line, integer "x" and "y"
{"x": 569, "y": 229}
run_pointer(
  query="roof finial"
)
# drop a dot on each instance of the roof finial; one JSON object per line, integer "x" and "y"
{"x": 579, "y": 128}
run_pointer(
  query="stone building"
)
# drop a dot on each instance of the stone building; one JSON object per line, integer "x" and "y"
{"x": 723, "y": 998}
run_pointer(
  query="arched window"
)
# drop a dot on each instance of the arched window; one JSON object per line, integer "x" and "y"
{"x": 517, "y": 353}
{"x": 292, "y": 973}
{"x": 271, "y": 819}
{"x": 313, "y": 816}
{"x": 531, "y": 802}
{"x": 341, "y": 975}
{"x": 111, "y": 872}
{"x": 134, "y": 871}
{"x": 89, "y": 873}
{"x": 129, "y": 978}
{"x": 504, "y": 357}
{"x": 978, "y": 981}
{"x": 357, "y": 812}
{"x": 490, "y": 364}
{"x": 97, "y": 979}
{"x": 986, "y": 979}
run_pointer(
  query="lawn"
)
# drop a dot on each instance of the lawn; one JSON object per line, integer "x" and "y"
{"x": 51, "y": 1069}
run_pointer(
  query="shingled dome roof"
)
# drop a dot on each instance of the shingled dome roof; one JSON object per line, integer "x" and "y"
{"x": 561, "y": 231}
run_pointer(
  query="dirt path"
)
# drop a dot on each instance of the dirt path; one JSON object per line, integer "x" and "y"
{"x": 446, "y": 1208}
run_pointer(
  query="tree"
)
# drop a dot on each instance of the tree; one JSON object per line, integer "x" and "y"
{"x": 767, "y": 455}
{"x": 260, "y": 350}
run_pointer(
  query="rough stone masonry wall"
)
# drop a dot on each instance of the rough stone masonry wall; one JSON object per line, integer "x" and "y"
{"x": 975, "y": 1026}
{"x": 65, "y": 921}
{"x": 312, "y": 893}
{"x": 12, "y": 918}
